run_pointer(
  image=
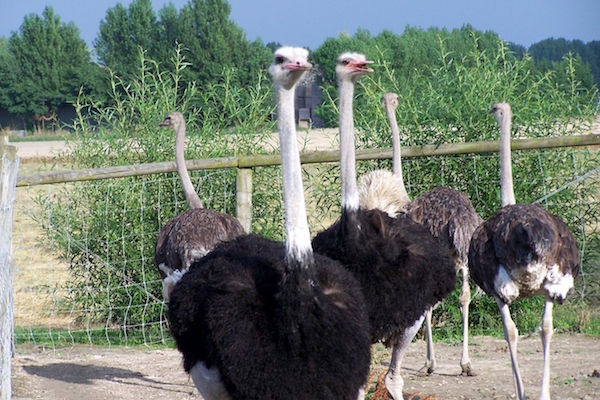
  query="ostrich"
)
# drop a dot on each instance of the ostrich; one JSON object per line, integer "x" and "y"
{"x": 447, "y": 213}
{"x": 190, "y": 235}
{"x": 522, "y": 251}
{"x": 259, "y": 319}
{"x": 402, "y": 268}
{"x": 381, "y": 188}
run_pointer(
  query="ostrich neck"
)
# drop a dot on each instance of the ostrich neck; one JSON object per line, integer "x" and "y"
{"x": 298, "y": 244}
{"x": 396, "y": 150}
{"x": 506, "y": 182}
{"x": 347, "y": 152}
{"x": 188, "y": 189}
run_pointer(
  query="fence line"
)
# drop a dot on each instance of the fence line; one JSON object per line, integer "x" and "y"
{"x": 108, "y": 231}
{"x": 8, "y": 180}
{"x": 266, "y": 160}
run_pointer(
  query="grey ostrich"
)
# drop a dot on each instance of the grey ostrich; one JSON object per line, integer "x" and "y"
{"x": 447, "y": 213}
{"x": 402, "y": 268}
{"x": 522, "y": 251}
{"x": 190, "y": 235}
{"x": 259, "y": 319}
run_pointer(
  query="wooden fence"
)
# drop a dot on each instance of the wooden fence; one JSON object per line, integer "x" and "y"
{"x": 8, "y": 174}
{"x": 244, "y": 164}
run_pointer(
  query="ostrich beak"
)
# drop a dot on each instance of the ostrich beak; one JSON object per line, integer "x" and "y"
{"x": 359, "y": 66}
{"x": 298, "y": 66}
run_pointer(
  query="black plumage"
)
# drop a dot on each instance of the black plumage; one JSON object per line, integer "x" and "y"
{"x": 402, "y": 268}
{"x": 257, "y": 319}
{"x": 526, "y": 241}
{"x": 522, "y": 251}
{"x": 237, "y": 310}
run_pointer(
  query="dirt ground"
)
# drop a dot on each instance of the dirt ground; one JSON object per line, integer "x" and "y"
{"x": 97, "y": 373}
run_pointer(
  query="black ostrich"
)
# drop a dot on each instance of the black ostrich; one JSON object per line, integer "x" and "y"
{"x": 259, "y": 319}
{"x": 447, "y": 213}
{"x": 402, "y": 268}
{"x": 522, "y": 251}
{"x": 190, "y": 235}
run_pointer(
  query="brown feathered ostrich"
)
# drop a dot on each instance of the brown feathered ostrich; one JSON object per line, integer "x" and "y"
{"x": 447, "y": 213}
{"x": 402, "y": 268}
{"x": 190, "y": 235}
{"x": 522, "y": 251}
{"x": 257, "y": 319}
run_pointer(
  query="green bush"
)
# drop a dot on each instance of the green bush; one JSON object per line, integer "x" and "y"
{"x": 449, "y": 103}
{"x": 107, "y": 229}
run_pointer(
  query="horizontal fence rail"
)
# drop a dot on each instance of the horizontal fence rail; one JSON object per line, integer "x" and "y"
{"x": 84, "y": 240}
{"x": 306, "y": 158}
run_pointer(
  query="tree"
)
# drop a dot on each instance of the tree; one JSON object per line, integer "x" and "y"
{"x": 123, "y": 31}
{"x": 45, "y": 65}
{"x": 549, "y": 53}
{"x": 214, "y": 42}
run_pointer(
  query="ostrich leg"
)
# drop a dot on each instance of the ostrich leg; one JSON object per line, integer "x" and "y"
{"x": 430, "y": 361}
{"x": 511, "y": 335}
{"x": 546, "y": 336}
{"x": 393, "y": 378}
{"x": 465, "y": 300}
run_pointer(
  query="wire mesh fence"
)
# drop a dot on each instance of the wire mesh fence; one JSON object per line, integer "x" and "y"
{"x": 84, "y": 268}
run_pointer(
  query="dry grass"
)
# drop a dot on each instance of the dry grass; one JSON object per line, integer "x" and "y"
{"x": 39, "y": 274}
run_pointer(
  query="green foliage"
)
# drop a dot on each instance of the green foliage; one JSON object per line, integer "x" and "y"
{"x": 122, "y": 31}
{"x": 43, "y": 65}
{"x": 548, "y": 52}
{"x": 209, "y": 40}
{"x": 106, "y": 230}
{"x": 449, "y": 103}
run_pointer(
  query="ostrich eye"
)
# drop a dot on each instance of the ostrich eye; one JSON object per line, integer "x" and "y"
{"x": 279, "y": 60}
{"x": 345, "y": 62}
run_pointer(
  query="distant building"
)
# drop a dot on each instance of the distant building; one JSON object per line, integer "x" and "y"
{"x": 308, "y": 97}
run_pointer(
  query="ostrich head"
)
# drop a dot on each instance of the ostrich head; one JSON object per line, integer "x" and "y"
{"x": 173, "y": 120}
{"x": 289, "y": 63}
{"x": 352, "y": 66}
{"x": 391, "y": 99}
{"x": 502, "y": 112}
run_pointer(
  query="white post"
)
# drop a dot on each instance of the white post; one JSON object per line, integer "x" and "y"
{"x": 8, "y": 182}
{"x": 244, "y": 197}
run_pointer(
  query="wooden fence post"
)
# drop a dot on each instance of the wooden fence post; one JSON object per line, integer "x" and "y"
{"x": 244, "y": 197}
{"x": 9, "y": 166}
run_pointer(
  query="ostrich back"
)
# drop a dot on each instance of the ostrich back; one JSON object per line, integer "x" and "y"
{"x": 448, "y": 214}
{"x": 401, "y": 267}
{"x": 270, "y": 338}
{"x": 190, "y": 235}
{"x": 534, "y": 249}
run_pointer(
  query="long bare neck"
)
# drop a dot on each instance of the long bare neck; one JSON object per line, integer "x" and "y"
{"x": 188, "y": 189}
{"x": 396, "y": 150}
{"x": 347, "y": 152}
{"x": 507, "y": 193}
{"x": 298, "y": 245}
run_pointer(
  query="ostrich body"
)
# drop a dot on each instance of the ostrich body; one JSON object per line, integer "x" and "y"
{"x": 447, "y": 213}
{"x": 259, "y": 319}
{"x": 402, "y": 269}
{"x": 522, "y": 251}
{"x": 190, "y": 235}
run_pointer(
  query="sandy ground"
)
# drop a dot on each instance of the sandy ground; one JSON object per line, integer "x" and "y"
{"x": 97, "y": 373}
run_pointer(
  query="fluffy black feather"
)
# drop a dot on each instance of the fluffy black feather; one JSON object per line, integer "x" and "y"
{"x": 269, "y": 338}
{"x": 516, "y": 236}
{"x": 402, "y": 268}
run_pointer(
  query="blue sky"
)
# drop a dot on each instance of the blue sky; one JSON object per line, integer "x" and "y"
{"x": 310, "y": 22}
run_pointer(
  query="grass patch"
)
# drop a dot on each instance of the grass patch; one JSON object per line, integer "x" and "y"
{"x": 150, "y": 336}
